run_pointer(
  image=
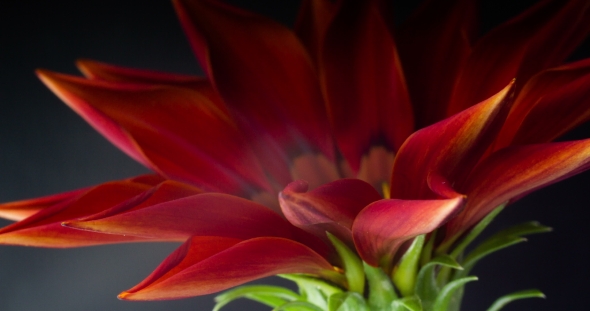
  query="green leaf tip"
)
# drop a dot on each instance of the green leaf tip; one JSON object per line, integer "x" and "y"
{"x": 504, "y": 300}
{"x": 404, "y": 276}
{"x": 353, "y": 266}
{"x": 272, "y": 296}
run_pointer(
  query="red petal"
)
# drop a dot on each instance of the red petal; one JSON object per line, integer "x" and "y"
{"x": 566, "y": 108}
{"x": 207, "y": 265}
{"x": 207, "y": 214}
{"x": 102, "y": 71}
{"x": 159, "y": 124}
{"x": 364, "y": 83}
{"x": 533, "y": 94}
{"x": 44, "y": 229}
{"x": 331, "y": 207}
{"x": 539, "y": 38}
{"x": 515, "y": 171}
{"x": 312, "y": 22}
{"x": 383, "y": 226}
{"x": 449, "y": 148}
{"x": 265, "y": 76}
{"x": 444, "y": 27}
{"x": 22, "y": 209}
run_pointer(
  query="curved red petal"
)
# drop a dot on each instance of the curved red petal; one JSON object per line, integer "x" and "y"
{"x": 449, "y": 148}
{"x": 264, "y": 75}
{"x": 159, "y": 123}
{"x": 515, "y": 171}
{"x": 445, "y": 27}
{"x": 44, "y": 229}
{"x": 332, "y": 205}
{"x": 383, "y": 226}
{"x": 207, "y": 214}
{"x": 208, "y": 265}
{"x": 532, "y": 94}
{"x": 364, "y": 83}
{"x": 539, "y": 38}
{"x": 559, "y": 111}
{"x": 20, "y": 210}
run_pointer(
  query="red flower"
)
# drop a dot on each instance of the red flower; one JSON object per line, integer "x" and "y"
{"x": 394, "y": 138}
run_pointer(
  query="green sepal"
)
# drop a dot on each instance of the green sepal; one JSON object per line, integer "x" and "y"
{"x": 412, "y": 303}
{"x": 381, "y": 291}
{"x": 314, "y": 290}
{"x": 353, "y": 266}
{"x": 349, "y": 301}
{"x": 501, "y": 240}
{"x": 426, "y": 286}
{"x": 446, "y": 294}
{"x": 527, "y": 228}
{"x": 298, "y": 306}
{"x": 404, "y": 276}
{"x": 485, "y": 249}
{"x": 504, "y": 300}
{"x": 272, "y": 296}
{"x": 476, "y": 231}
{"x": 426, "y": 255}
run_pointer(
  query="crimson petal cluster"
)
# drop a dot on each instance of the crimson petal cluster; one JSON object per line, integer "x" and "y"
{"x": 350, "y": 123}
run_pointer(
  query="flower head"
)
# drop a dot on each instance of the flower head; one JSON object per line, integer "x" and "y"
{"x": 350, "y": 124}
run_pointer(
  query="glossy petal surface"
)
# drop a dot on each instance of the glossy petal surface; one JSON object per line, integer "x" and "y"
{"x": 207, "y": 265}
{"x": 331, "y": 207}
{"x": 383, "y": 226}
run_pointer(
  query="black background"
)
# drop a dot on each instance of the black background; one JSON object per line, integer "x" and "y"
{"x": 45, "y": 148}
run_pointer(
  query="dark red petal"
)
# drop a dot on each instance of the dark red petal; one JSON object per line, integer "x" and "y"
{"x": 449, "y": 148}
{"x": 158, "y": 123}
{"x": 44, "y": 229}
{"x": 207, "y": 265}
{"x": 107, "y": 72}
{"x": 434, "y": 44}
{"x": 383, "y": 226}
{"x": 312, "y": 22}
{"x": 364, "y": 83}
{"x": 331, "y": 207}
{"x": 515, "y": 171}
{"x": 532, "y": 96}
{"x": 207, "y": 214}
{"x": 539, "y": 38}
{"x": 264, "y": 75}
{"x": 556, "y": 113}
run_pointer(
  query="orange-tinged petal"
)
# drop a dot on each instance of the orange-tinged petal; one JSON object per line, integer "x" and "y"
{"x": 331, "y": 207}
{"x": 434, "y": 44}
{"x": 383, "y": 226}
{"x": 107, "y": 72}
{"x": 556, "y": 113}
{"x": 533, "y": 94}
{"x": 364, "y": 83}
{"x": 449, "y": 148}
{"x": 515, "y": 171}
{"x": 207, "y": 265}
{"x": 123, "y": 75}
{"x": 159, "y": 123}
{"x": 539, "y": 38}
{"x": 44, "y": 229}
{"x": 264, "y": 75}
{"x": 206, "y": 214}
{"x": 20, "y": 210}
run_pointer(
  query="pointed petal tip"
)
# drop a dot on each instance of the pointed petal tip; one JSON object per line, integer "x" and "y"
{"x": 124, "y": 296}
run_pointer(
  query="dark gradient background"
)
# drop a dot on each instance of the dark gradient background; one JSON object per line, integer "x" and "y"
{"x": 45, "y": 148}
